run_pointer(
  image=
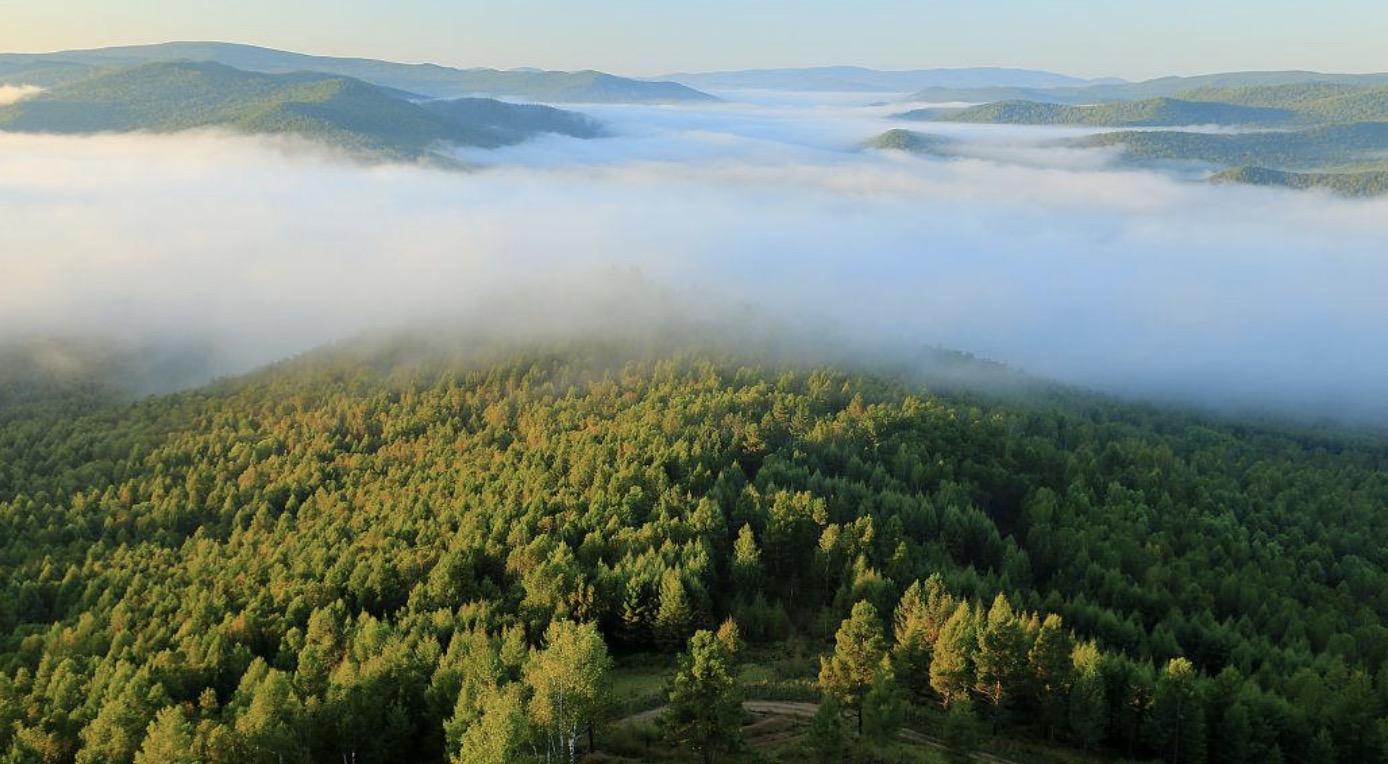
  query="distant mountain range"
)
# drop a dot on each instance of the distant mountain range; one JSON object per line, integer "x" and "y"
{"x": 1292, "y": 105}
{"x": 858, "y": 79}
{"x": 1164, "y": 87}
{"x": 340, "y": 111}
{"x": 1327, "y": 133}
{"x": 49, "y": 69}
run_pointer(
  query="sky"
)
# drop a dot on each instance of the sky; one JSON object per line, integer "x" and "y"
{"x": 1090, "y": 38}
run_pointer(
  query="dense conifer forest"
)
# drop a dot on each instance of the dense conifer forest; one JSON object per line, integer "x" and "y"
{"x": 374, "y": 556}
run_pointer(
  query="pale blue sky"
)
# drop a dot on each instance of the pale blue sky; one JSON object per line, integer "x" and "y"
{"x": 1082, "y": 37}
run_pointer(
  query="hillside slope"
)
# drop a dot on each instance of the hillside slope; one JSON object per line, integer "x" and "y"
{"x": 1162, "y": 87}
{"x": 1314, "y": 148}
{"x": 1355, "y": 183}
{"x": 425, "y": 79}
{"x": 300, "y": 560}
{"x": 340, "y": 111}
{"x": 1155, "y": 112}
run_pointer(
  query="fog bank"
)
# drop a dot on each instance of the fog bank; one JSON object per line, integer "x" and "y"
{"x": 1051, "y": 260}
{"x": 12, "y": 94}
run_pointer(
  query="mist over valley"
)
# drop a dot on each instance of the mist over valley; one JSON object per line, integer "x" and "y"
{"x": 1009, "y": 242}
{"x": 370, "y": 411}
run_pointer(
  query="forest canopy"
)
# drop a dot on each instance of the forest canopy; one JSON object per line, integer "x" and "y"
{"x": 363, "y": 553}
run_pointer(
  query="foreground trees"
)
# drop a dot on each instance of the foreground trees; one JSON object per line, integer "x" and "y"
{"x": 859, "y": 649}
{"x": 568, "y": 682}
{"x": 705, "y": 709}
{"x": 533, "y": 707}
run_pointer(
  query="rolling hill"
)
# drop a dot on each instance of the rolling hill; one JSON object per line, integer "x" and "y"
{"x": 1354, "y": 183}
{"x": 1154, "y": 112}
{"x": 425, "y": 79}
{"x": 912, "y": 142}
{"x": 1313, "y": 102}
{"x": 340, "y": 111}
{"x": 1303, "y": 104}
{"x": 1333, "y": 146}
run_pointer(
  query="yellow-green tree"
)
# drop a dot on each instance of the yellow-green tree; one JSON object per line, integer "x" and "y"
{"x": 705, "y": 709}
{"x": 569, "y": 682}
{"x": 858, "y": 651}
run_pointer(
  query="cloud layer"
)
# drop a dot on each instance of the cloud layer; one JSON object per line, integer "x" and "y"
{"x": 12, "y": 94}
{"x": 1049, "y": 260}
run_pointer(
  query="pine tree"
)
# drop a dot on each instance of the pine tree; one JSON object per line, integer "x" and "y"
{"x": 1088, "y": 702}
{"x": 883, "y": 708}
{"x": 269, "y": 726}
{"x": 747, "y": 568}
{"x": 1178, "y": 718}
{"x": 120, "y": 726}
{"x": 828, "y": 739}
{"x": 168, "y": 739}
{"x": 675, "y": 617}
{"x": 858, "y": 650}
{"x": 911, "y": 653}
{"x": 939, "y": 606}
{"x": 961, "y": 733}
{"x": 1000, "y": 657}
{"x": 1052, "y": 671}
{"x": 951, "y": 668}
{"x": 705, "y": 709}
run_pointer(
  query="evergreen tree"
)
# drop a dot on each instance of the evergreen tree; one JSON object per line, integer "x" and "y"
{"x": 961, "y": 733}
{"x": 121, "y": 725}
{"x": 858, "y": 651}
{"x": 1052, "y": 671}
{"x": 1088, "y": 702}
{"x": 747, "y": 572}
{"x": 269, "y": 727}
{"x": 1000, "y": 657}
{"x": 675, "y": 617}
{"x": 911, "y": 653}
{"x": 705, "y": 709}
{"x": 827, "y": 737}
{"x": 939, "y": 606}
{"x": 168, "y": 740}
{"x": 883, "y": 708}
{"x": 1177, "y": 727}
{"x": 952, "y": 667}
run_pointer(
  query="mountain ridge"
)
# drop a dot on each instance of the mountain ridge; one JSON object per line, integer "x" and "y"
{"x": 341, "y": 111}
{"x": 864, "y": 79}
{"x": 433, "y": 80}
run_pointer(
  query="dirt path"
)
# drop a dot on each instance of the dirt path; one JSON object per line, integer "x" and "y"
{"x": 801, "y": 710}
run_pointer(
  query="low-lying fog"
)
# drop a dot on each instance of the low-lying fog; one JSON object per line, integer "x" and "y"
{"x": 1056, "y": 261}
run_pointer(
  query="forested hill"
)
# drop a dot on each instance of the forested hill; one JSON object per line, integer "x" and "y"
{"x": 340, "y": 111}
{"x": 1154, "y": 112}
{"x": 426, "y": 79}
{"x": 302, "y": 564}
